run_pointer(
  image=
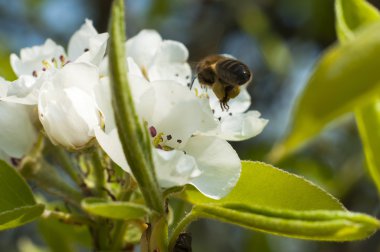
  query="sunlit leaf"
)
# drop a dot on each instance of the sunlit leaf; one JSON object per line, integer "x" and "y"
{"x": 20, "y": 216}
{"x": 346, "y": 77}
{"x": 261, "y": 184}
{"x": 325, "y": 225}
{"x": 17, "y": 204}
{"x": 352, "y": 15}
{"x": 115, "y": 209}
{"x": 368, "y": 121}
{"x": 270, "y": 200}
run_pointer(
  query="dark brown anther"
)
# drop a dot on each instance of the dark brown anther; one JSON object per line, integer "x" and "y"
{"x": 153, "y": 131}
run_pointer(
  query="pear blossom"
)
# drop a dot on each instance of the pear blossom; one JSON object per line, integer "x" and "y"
{"x": 173, "y": 114}
{"x": 18, "y": 133}
{"x": 236, "y": 123}
{"x": 159, "y": 59}
{"x": 66, "y": 105}
{"x": 85, "y": 45}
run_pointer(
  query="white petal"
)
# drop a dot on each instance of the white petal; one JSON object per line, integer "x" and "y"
{"x": 97, "y": 46}
{"x": 170, "y": 63}
{"x": 174, "y": 168}
{"x": 172, "y": 110}
{"x": 180, "y": 72}
{"x": 171, "y": 52}
{"x": 86, "y": 45}
{"x": 81, "y": 75}
{"x": 31, "y": 59}
{"x": 242, "y": 126}
{"x": 110, "y": 143}
{"x": 69, "y": 115}
{"x": 143, "y": 47}
{"x": 219, "y": 165}
{"x": 133, "y": 68}
{"x": 24, "y": 90}
{"x": 17, "y": 134}
{"x": 238, "y": 104}
{"x": 4, "y": 86}
{"x": 103, "y": 97}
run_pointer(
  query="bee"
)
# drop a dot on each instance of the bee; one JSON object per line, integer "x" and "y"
{"x": 224, "y": 75}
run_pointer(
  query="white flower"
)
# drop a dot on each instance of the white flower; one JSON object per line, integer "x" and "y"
{"x": 236, "y": 123}
{"x": 17, "y": 134}
{"x": 159, "y": 59}
{"x": 37, "y": 59}
{"x": 86, "y": 45}
{"x": 66, "y": 105}
{"x": 173, "y": 115}
{"x": 38, "y": 63}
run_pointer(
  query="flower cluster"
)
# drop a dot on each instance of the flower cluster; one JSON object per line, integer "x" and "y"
{"x": 67, "y": 96}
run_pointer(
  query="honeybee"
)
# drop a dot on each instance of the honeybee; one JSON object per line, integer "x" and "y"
{"x": 224, "y": 75}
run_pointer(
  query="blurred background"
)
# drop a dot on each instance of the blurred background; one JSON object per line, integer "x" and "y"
{"x": 280, "y": 40}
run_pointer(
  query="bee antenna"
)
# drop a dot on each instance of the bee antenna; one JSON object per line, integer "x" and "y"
{"x": 192, "y": 81}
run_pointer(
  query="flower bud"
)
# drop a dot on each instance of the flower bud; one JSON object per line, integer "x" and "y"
{"x": 67, "y": 108}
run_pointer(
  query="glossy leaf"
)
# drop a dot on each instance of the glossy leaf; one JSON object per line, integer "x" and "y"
{"x": 368, "y": 121}
{"x": 261, "y": 184}
{"x": 351, "y": 15}
{"x": 346, "y": 77}
{"x": 17, "y": 204}
{"x": 312, "y": 225}
{"x": 20, "y": 216}
{"x": 349, "y": 20}
{"x": 270, "y": 200}
{"x": 115, "y": 209}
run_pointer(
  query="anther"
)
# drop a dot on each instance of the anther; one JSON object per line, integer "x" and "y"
{"x": 86, "y": 50}
{"x": 169, "y": 137}
{"x": 179, "y": 141}
{"x": 153, "y": 131}
{"x": 34, "y": 73}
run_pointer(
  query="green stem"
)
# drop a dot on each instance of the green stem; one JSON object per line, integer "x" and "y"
{"x": 121, "y": 226}
{"x": 68, "y": 166}
{"x": 67, "y": 218}
{"x": 133, "y": 135}
{"x": 99, "y": 174}
{"x": 45, "y": 176}
{"x": 190, "y": 217}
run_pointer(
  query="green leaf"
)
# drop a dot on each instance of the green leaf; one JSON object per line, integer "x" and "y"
{"x": 352, "y": 15}
{"x": 261, "y": 184}
{"x": 368, "y": 121}
{"x": 20, "y": 216}
{"x": 312, "y": 225}
{"x": 115, "y": 209}
{"x": 346, "y": 77}
{"x": 270, "y": 200}
{"x": 17, "y": 204}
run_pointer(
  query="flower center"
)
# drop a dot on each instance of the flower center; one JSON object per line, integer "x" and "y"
{"x": 56, "y": 63}
{"x": 160, "y": 140}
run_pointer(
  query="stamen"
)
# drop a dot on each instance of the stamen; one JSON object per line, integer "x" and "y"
{"x": 62, "y": 59}
{"x": 86, "y": 50}
{"x": 153, "y": 131}
{"x": 179, "y": 141}
{"x": 169, "y": 137}
{"x": 34, "y": 73}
